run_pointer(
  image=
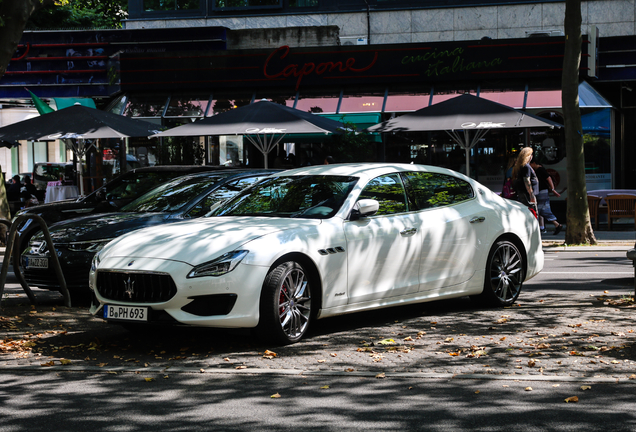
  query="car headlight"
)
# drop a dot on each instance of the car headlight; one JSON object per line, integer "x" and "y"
{"x": 220, "y": 266}
{"x": 89, "y": 246}
{"x": 95, "y": 261}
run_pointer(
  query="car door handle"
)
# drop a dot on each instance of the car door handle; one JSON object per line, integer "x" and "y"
{"x": 408, "y": 232}
{"x": 477, "y": 219}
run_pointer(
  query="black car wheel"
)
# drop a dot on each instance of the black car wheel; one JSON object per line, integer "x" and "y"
{"x": 286, "y": 304}
{"x": 505, "y": 273}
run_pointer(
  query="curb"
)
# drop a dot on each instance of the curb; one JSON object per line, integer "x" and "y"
{"x": 553, "y": 247}
{"x": 294, "y": 372}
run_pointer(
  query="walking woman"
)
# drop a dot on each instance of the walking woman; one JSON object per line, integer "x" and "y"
{"x": 543, "y": 198}
{"x": 524, "y": 180}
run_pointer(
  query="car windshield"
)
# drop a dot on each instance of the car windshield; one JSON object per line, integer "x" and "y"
{"x": 313, "y": 197}
{"x": 174, "y": 195}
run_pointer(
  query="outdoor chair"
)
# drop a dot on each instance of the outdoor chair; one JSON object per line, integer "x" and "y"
{"x": 620, "y": 206}
{"x": 593, "y": 203}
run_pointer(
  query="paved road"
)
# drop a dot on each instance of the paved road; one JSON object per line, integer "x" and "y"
{"x": 452, "y": 365}
{"x": 564, "y": 325}
{"x": 73, "y": 402}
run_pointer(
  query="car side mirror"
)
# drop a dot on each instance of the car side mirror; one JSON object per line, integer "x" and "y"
{"x": 364, "y": 208}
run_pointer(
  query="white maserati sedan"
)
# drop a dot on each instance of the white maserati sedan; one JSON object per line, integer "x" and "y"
{"x": 321, "y": 241}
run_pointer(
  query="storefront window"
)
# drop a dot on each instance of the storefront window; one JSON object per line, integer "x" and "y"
{"x": 231, "y": 150}
{"x": 596, "y": 144}
{"x": 406, "y": 102}
{"x": 241, "y": 4}
{"x": 164, "y": 5}
{"x": 302, "y": 3}
{"x": 145, "y": 106}
{"x": 361, "y": 103}
{"x": 183, "y": 106}
{"x": 316, "y": 105}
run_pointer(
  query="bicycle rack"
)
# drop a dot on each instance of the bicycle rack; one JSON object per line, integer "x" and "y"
{"x": 14, "y": 246}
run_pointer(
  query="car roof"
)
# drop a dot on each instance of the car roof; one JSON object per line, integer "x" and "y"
{"x": 369, "y": 170}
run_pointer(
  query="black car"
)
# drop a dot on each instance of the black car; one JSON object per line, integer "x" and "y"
{"x": 78, "y": 240}
{"x": 109, "y": 198}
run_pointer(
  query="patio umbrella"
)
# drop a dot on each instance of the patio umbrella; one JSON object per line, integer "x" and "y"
{"x": 75, "y": 123}
{"x": 263, "y": 123}
{"x": 79, "y": 122}
{"x": 459, "y": 116}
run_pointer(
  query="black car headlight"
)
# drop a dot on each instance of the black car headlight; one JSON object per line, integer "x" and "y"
{"x": 220, "y": 266}
{"x": 88, "y": 246}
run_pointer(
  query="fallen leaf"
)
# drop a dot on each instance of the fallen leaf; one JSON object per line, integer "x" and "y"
{"x": 202, "y": 370}
{"x": 270, "y": 353}
{"x": 586, "y": 387}
{"x": 324, "y": 387}
{"x": 65, "y": 362}
{"x": 531, "y": 363}
{"x": 528, "y": 389}
{"x": 149, "y": 379}
{"x": 333, "y": 355}
{"x": 241, "y": 367}
{"x": 275, "y": 396}
{"x": 381, "y": 375}
{"x": 477, "y": 392}
{"x": 387, "y": 342}
{"x": 572, "y": 399}
{"x": 322, "y": 361}
{"x": 51, "y": 363}
{"x": 349, "y": 370}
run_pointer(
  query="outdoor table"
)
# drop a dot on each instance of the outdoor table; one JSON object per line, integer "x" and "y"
{"x": 602, "y": 193}
{"x": 60, "y": 192}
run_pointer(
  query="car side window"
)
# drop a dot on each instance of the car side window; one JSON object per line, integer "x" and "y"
{"x": 429, "y": 190}
{"x": 388, "y": 190}
{"x": 220, "y": 194}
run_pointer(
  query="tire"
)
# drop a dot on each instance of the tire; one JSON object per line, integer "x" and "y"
{"x": 505, "y": 273}
{"x": 285, "y": 304}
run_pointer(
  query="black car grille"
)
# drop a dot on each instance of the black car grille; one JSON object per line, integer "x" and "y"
{"x": 135, "y": 287}
{"x": 47, "y": 279}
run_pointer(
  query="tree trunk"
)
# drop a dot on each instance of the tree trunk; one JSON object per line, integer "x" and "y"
{"x": 578, "y": 226}
{"x": 14, "y": 15}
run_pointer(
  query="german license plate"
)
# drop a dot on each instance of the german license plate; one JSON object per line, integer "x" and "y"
{"x": 125, "y": 313}
{"x": 36, "y": 263}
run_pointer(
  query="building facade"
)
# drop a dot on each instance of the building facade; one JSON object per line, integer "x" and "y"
{"x": 364, "y": 61}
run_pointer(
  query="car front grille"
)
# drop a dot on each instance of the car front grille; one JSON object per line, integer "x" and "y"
{"x": 133, "y": 287}
{"x": 47, "y": 279}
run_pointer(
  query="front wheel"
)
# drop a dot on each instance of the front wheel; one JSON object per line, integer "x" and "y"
{"x": 505, "y": 273}
{"x": 285, "y": 306}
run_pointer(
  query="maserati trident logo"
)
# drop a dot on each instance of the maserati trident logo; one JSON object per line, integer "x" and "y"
{"x": 129, "y": 287}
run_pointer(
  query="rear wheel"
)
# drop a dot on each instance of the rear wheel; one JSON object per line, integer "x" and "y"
{"x": 505, "y": 273}
{"x": 285, "y": 306}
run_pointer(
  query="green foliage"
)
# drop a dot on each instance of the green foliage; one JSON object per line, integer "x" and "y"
{"x": 80, "y": 14}
{"x": 351, "y": 146}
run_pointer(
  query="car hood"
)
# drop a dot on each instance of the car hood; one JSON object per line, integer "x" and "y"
{"x": 199, "y": 240}
{"x": 104, "y": 226}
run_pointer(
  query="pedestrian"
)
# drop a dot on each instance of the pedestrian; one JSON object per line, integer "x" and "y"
{"x": 546, "y": 185}
{"x": 525, "y": 181}
{"x": 508, "y": 190}
{"x": 13, "y": 191}
{"x": 329, "y": 160}
{"x": 28, "y": 193}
